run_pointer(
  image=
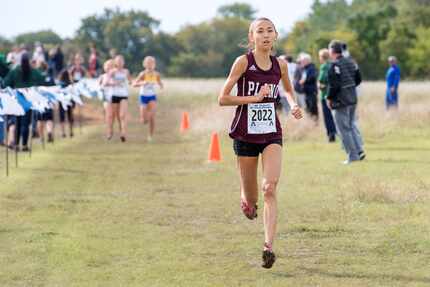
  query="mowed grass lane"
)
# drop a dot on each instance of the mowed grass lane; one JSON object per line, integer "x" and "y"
{"x": 87, "y": 212}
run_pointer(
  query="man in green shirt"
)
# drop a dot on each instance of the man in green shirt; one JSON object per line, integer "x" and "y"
{"x": 323, "y": 87}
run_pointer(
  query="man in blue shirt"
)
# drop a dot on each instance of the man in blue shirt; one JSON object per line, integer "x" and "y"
{"x": 393, "y": 80}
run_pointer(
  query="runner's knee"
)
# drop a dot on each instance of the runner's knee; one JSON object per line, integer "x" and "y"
{"x": 269, "y": 187}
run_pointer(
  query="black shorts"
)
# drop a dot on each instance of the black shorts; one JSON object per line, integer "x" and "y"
{"x": 48, "y": 115}
{"x": 68, "y": 112}
{"x": 117, "y": 100}
{"x": 11, "y": 120}
{"x": 242, "y": 148}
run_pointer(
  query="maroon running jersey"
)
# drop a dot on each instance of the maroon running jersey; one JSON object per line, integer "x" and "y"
{"x": 257, "y": 123}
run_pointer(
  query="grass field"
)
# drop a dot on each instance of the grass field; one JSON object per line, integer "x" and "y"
{"x": 87, "y": 212}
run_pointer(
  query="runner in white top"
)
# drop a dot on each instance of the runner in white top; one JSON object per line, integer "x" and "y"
{"x": 121, "y": 79}
{"x": 106, "y": 82}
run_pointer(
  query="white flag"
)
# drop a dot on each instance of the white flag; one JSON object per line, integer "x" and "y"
{"x": 10, "y": 104}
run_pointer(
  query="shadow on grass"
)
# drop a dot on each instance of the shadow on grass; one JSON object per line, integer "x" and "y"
{"x": 283, "y": 275}
{"x": 52, "y": 171}
{"x": 401, "y": 278}
{"x": 397, "y": 161}
{"x": 412, "y": 149}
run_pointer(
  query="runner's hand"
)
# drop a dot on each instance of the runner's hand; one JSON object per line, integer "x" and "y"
{"x": 264, "y": 92}
{"x": 296, "y": 112}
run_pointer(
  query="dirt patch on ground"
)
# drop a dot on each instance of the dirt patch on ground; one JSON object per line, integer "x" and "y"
{"x": 92, "y": 112}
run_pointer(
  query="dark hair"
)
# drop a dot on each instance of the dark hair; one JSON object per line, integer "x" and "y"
{"x": 336, "y": 46}
{"x": 25, "y": 68}
{"x": 344, "y": 47}
{"x": 289, "y": 59}
{"x": 65, "y": 78}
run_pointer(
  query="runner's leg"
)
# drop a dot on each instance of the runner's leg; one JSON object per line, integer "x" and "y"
{"x": 272, "y": 161}
{"x": 248, "y": 179}
{"x": 123, "y": 111}
{"x": 152, "y": 106}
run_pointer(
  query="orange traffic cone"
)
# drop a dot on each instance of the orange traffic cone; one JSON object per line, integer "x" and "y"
{"x": 185, "y": 123}
{"x": 214, "y": 149}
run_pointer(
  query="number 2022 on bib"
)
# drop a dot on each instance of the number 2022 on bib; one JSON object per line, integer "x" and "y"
{"x": 261, "y": 118}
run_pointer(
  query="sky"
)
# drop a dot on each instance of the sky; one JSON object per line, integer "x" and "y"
{"x": 63, "y": 16}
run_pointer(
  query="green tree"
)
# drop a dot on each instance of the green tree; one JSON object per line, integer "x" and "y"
{"x": 419, "y": 54}
{"x": 397, "y": 43}
{"x": 329, "y": 15}
{"x": 44, "y": 36}
{"x": 209, "y": 48}
{"x": 310, "y": 35}
{"x": 131, "y": 33}
{"x": 237, "y": 10}
{"x": 5, "y": 45}
{"x": 372, "y": 27}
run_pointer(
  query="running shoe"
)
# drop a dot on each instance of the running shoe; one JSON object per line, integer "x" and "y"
{"x": 362, "y": 155}
{"x": 268, "y": 257}
{"x": 249, "y": 211}
{"x": 25, "y": 149}
{"x": 13, "y": 147}
{"x": 50, "y": 138}
{"x": 122, "y": 138}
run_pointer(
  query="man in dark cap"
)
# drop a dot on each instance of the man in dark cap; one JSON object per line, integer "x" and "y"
{"x": 343, "y": 78}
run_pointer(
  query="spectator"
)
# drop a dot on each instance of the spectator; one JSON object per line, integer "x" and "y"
{"x": 393, "y": 80}
{"x": 77, "y": 71}
{"x": 12, "y": 57}
{"x": 93, "y": 64}
{"x": 39, "y": 53}
{"x": 64, "y": 81}
{"x": 309, "y": 83}
{"x": 298, "y": 88}
{"x": 58, "y": 59}
{"x": 323, "y": 87}
{"x": 46, "y": 119}
{"x": 343, "y": 78}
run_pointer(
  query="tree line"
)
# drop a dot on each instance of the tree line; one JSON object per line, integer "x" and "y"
{"x": 373, "y": 29}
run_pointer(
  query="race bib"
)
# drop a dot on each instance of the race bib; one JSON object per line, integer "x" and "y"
{"x": 261, "y": 118}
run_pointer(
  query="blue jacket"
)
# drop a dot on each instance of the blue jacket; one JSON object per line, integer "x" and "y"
{"x": 393, "y": 77}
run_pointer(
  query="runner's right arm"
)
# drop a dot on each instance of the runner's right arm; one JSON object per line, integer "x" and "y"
{"x": 159, "y": 81}
{"x": 138, "y": 81}
{"x": 225, "y": 99}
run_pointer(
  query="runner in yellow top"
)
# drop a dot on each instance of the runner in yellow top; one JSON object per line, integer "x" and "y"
{"x": 147, "y": 80}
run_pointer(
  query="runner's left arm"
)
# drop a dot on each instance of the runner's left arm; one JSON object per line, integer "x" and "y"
{"x": 295, "y": 109}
